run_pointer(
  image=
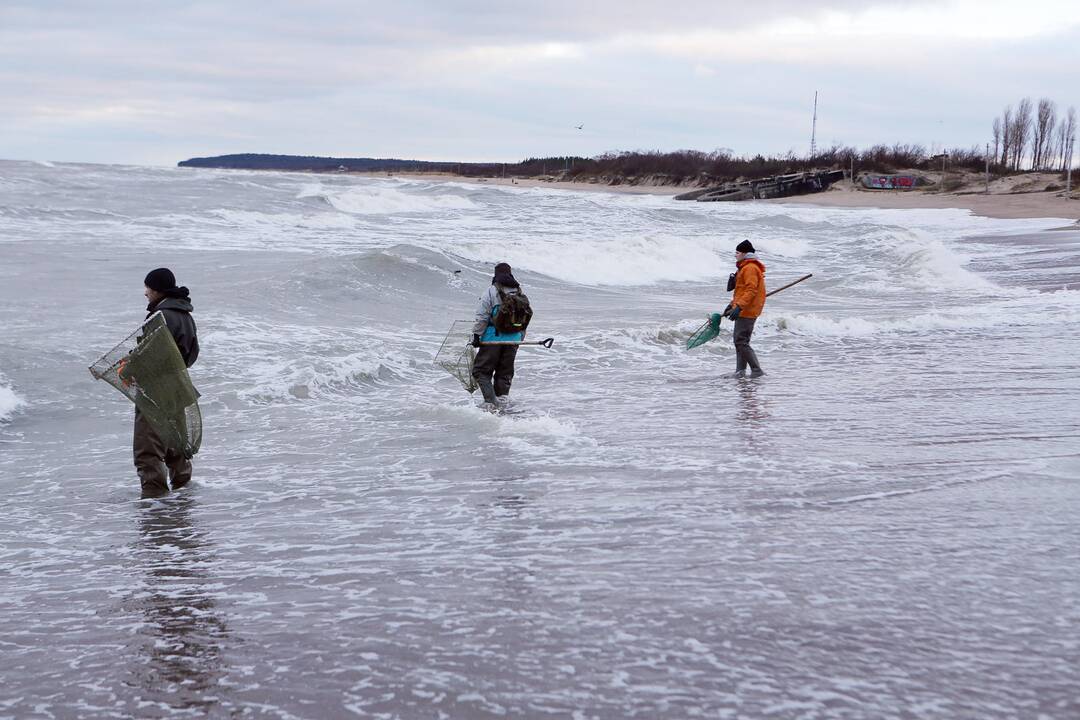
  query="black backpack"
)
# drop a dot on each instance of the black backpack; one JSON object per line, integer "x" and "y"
{"x": 514, "y": 313}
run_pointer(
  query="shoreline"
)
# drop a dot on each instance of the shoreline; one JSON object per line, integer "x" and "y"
{"x": 1005, "y": 206}
{"x": 1008, "y": 206}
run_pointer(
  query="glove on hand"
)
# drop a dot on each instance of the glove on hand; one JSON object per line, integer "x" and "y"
{"x": 733, "y": 313}
{"x": 121, "y": 372}
{"x": 475, "y": 340}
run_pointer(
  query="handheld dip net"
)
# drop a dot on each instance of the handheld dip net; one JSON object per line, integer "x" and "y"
{"x": 705, "y": 333}
{"x": 456, "y": 354}
{"x": 148, "y": 369}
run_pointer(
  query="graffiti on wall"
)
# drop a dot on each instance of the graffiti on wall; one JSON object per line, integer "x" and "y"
{"x": 889, "y": 182}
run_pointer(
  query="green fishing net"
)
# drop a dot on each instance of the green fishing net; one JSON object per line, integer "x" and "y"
{"x": 148, "y": 369}
{"x": 456, "y": 355}
{"x": 706, "y": 332}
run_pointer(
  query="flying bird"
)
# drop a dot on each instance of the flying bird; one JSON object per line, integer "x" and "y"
{"x": 580, "y": 126}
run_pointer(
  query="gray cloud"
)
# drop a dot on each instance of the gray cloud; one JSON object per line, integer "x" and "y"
{"x": 156, "y": 81}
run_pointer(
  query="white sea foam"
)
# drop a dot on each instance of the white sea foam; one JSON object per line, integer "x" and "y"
{"x": 285, "y": 221}
{"x": 1058, "y": 309}
{"x": 381, "y": 200}
{"x": 931, "y": 263}
{"x": 313, "y": 375}
{"x": 10, "y": 401}
{"x": 267, "y": 364}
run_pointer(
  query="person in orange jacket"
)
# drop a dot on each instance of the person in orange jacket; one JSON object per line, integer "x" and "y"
{"x": 746, "y": 305}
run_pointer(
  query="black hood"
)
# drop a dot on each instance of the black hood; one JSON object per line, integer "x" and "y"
{"x": 183, "y": 304}
{"x": 506, "y": 280}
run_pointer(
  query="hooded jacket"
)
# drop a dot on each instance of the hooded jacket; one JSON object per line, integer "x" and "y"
{"x": 177, "y": 314}
{"x": 749, "y": 293}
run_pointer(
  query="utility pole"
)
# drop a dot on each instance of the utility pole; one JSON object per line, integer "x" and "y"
{"x": 987, "y": 157}
{"x": 1068, "y": 175}
{"x": 944, "y": 157}
{"x": 813, "y": 130}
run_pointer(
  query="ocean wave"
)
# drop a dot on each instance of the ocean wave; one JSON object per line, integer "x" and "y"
{"x": 613, "y": 261}
{"x": 312, "y": 377}
{"x": 284, "y": 221}
{"x": 382, "y": 200}
{"x": 263, "y": 364}
{"x": 930, "y": 262}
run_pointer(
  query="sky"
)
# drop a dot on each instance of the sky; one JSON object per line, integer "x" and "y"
{"x": 153, "y": 82}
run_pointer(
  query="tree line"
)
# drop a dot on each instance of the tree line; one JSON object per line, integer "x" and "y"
{"x": 1035, "y": 134}
{"x": 1027, "y": 136}
{"x": 683, "y": 166}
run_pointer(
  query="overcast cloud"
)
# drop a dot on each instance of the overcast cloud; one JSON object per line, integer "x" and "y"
{"x": 156, "y": 82}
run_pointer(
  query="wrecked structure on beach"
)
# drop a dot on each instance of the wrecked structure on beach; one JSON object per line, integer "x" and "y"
{"x": 777, "y": 186}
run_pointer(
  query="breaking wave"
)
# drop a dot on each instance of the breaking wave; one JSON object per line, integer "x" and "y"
{"x": 10, "y": 401}
{"x": 381, "y": 200}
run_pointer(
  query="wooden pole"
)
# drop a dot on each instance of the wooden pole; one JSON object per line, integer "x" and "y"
{"x": 1068, "y": 176}
{"x": 796, "y": 282}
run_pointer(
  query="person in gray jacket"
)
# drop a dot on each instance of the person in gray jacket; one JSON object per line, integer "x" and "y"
{"x": 495, "y": 362}
{"x": 151, "y": 456}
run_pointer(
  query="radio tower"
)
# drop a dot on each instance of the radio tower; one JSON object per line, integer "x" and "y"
{"x": 813, "y": 130}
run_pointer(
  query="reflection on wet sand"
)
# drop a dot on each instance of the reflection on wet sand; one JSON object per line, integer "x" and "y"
{"x": 179, "y": 659}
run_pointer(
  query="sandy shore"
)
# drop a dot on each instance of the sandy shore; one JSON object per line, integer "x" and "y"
{"x": 994, "y": 205}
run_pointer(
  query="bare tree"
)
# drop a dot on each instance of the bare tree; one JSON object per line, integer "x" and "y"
{"x": 1042, "y": 132}
{"x": 1021, "y": 131}
{"x": 997, "y": 137}
{"x": 1066, "y": 132}
{"x": 1006, "y": 135}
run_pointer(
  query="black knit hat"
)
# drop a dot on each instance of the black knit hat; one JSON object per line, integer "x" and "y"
{"x": 161, "y": 279}
{"x": 745, "y": 247}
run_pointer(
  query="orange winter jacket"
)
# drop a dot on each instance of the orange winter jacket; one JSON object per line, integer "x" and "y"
{"x": 749, "y": 288}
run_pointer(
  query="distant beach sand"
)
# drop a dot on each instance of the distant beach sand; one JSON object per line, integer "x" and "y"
{"x": 1000, "y": 203}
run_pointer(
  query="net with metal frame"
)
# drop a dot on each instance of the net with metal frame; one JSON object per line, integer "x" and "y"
{"x": 456, "y": 355}
{"x": 706, "y": 332}
{"x": 148, "y": 369}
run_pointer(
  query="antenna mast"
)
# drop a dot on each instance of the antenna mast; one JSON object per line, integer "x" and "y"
{"x": 813, "y": 130}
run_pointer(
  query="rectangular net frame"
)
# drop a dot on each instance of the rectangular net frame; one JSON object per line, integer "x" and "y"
{"x": 456, "y": 355}
{"x": 147, "y": 368}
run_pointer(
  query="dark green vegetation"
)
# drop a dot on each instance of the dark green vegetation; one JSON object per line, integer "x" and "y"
{"x": 635, "y": 167}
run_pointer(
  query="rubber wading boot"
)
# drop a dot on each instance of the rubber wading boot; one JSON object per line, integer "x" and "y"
{"x": 750, "y": 358}
{"x": 487, "y": 390}
{"x": 740, "y": 365}
{"x": 757, "y": 373}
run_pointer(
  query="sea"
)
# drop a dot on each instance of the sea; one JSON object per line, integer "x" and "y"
{"x": 883, "y": 526}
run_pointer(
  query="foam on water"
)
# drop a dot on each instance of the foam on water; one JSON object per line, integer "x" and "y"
{"x": 377, "y": 198}
{"x": 10, "y": 402}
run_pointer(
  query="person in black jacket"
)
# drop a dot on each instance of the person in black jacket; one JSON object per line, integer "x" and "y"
{"x": 151, "y": 456}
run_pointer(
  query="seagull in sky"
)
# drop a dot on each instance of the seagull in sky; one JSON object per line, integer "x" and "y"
{"x": 580, "y": 126}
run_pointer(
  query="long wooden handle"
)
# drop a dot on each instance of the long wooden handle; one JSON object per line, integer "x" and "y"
{"x": 796, "y": 282}
{"x": 546, "y": 342}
